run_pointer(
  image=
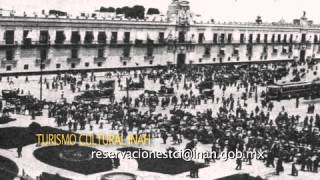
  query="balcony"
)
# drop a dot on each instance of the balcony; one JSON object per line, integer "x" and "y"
{"x": 99, "y": 59}
{"x": 73, "y": 60}
{"x": 5, "y": 62}
{"x": 125, "y": 58}
{"x": 44, "y": 61}
{"x": 274, "y": 53}
{"x": 8, "y": 43}
{"x": 221, "y": 55}
{"x": 148, "y": 58}
{"x": 206, "y": 55}
{"x": 235, "y": 54}
{"x": 27, "y": 43}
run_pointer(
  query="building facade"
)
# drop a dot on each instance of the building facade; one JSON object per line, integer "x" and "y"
{"x": 52, "y": 44}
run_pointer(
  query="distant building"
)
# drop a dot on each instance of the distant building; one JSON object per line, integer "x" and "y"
{"x": 105, "y": 41}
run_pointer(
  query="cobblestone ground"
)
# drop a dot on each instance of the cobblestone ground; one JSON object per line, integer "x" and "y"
{"x": 34, "y": 167}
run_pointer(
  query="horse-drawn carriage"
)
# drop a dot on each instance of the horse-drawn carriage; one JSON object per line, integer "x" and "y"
{"x": 135, "y": 85}
{"x": 205, "y": 85}
{"x": 106, "y": 84}
{"x": 166, "y": 90}
{"x": 207, "y": 93}
{"x": 8, "y": 95}
{"x": 91, "y": 95}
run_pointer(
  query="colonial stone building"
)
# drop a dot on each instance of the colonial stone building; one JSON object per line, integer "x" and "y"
{"x": 58, "y": 43}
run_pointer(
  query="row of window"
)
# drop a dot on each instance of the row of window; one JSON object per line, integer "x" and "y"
{"x": 44, "y": 37}
{"x": 60, "y": 37}
{"x": 72, "y": 65}
{"x": 275, "y": 38}
{"x": 10, "y": 53}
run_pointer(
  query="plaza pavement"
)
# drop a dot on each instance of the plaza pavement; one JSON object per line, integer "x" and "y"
{"x": 34, "y": 167}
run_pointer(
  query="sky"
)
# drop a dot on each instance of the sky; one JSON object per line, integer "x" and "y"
{"x": 219, "y": 10}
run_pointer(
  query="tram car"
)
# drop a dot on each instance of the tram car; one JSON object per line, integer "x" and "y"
{"x": 293, "y": 90}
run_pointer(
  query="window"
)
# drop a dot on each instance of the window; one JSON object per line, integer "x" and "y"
{"x": 101, "y": 53}
{"x": 235, "y": 52}
{"x": 151, "y": 62}
{"x": 44, "y": 37}
{"x": 279, "y": 38}
{"x": 8, "y": 68}
{"x": 265, "y": 39}
{"x": 250, "y": 38}
{"x": 9, "y": 37}
{"x": 274, "y": 51}
{"x": 58, "y": 66}
{"x": 273, "y": 38}
{"x": 43, "y": 54}
{"x": 126, "y": 51}
{"x": 258, "y": 38}
{"x": 285, "y": 38}
{"x": 284, "y": 50}
{"x": 291, "y": 38}
{"x": 200, "y": 60}
{"x": 73, "y": 65}
{"x": 229, "y": 58}
{"x": 86, "y": 64}
{"x": 221, "y": 52}
{"x": 74, "y": 53}
{"x": 26, "y": 40}
{"x": 215, "y": 38}
{"x": 249, "y": 50}
{"x": 42, "y": 66}
{"x": 75, "y": 37}
{"x": 265, "y": 49}
{"x": 181, "y": 37}
{"x": 161, "y": 37}
{"x": 315, "y": 38}
{"x": 126, "y": 37}
{"x": 213, "y": 59}
{"x": 200, "y": 38}
{"x": 124, "y": 63}
{"x": 229, "y": 38}
{"x": 207, "y": 51}
{"x": 290, "y": 49}
{"x": 114, "y": 37}
{"x": 102, "y": 37}
{"x": 149, "y": 51}
{"x": 241, "y": 38}
{"x": 222, "y": 38}
{"x": 99, "y": 64}
{"x": 9, "y": 54}
{"x": 60, "y": 37}
{"x": 88, "y": 38}
{"x": 26, "y": 67}
{"x": 303, "y": 38}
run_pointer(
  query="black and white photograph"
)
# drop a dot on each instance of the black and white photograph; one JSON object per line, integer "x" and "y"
{"x": 159, "y": 89}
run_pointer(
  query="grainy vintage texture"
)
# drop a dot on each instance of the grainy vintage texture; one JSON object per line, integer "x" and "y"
{"x": 159, "y": 89}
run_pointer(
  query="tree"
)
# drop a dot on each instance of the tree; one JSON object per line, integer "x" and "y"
{"x": 134, "y": 12}
{"x": 119, "y": 11}
{"x": 109, "y": 9}
{"x": 153, "y": 11}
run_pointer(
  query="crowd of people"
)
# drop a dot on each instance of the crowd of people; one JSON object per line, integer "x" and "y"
{"x": 235, "y": 119}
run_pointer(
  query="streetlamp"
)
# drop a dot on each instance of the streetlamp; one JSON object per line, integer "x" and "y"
{"x": 41, "y": 73}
